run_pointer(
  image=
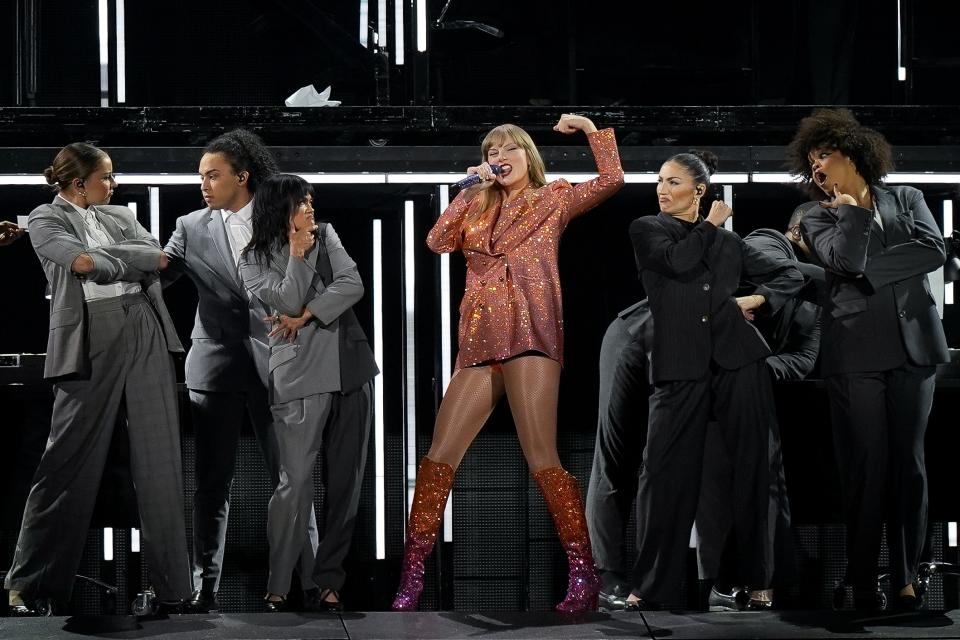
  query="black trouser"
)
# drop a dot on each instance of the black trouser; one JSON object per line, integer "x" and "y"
{"x": 879, "y": 422}
{"x": 621, "y": 434}
{"x": 715, "y": 514}
{"x": 669, "y": 487}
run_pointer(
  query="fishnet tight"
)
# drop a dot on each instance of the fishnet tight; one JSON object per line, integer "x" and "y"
{"x": 531, "y": 383}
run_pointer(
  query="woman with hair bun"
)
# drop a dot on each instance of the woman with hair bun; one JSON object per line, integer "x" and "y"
{"x": 707, "y": 362}
{"x": 109, "y": 345}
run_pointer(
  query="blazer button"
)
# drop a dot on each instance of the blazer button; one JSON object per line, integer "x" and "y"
{"x": 706, "y": 286}
{"x": 902, "y": 314}
{"x": 483, "y": 283}
{"x": 501, "y": 278}
{"x": 703, "y": 319}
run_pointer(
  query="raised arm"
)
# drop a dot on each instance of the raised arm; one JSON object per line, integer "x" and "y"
{"x": 657, "y": 251}
{"x": 346, "y": 288}
{"x": 286, "y": 292}
{"x": 586, "y": 195}
{"x": 839, "y": 241}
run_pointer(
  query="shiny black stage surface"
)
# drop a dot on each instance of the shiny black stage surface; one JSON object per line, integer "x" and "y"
{"x": 508, "y": 625}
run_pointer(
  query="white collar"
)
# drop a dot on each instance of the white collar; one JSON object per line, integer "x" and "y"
{"x": 80, "y": 210}
{"x": 245, "y": 213}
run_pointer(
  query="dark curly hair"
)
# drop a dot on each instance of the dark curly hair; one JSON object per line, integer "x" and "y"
{"x": 245, "y": 151}
{"x": 839, "y": 130}
{"x": 277, "y": 199}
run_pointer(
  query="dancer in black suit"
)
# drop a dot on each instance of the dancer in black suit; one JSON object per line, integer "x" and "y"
{"x": 882, "y": 339}
{"x": 793, "y": 335}
{"x": 707, "y": 359}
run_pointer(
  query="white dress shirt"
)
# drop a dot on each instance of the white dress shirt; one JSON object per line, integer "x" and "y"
{"x": 97, "y": 236}
{"x": 239, "y": 229}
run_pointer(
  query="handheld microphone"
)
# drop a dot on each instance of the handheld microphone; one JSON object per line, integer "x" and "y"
{"x": 474, "y": 178}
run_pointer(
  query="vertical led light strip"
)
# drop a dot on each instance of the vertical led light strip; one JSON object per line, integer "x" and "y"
{"x": 378, "y": 444}
{"x": 951, "y": 534}
{"x": 728, "y": 198}
{"x": 382, "y": 14}
{"x": 134, "y": 540}
{"x": 947, "y": 232}
{"x": 108, "y": 544}
{"x": 901, "y": 69}
{"x": 103, "y": 32}
{"x": 364, "y": 18}
{"x": 154, "y": 211}
{"x": 421, "y": 25}
{"x": 121, "y": 55}
{"x": 445, "y": 352}
{"x": 410, "y": 377}
{"x": 399, "y": 32}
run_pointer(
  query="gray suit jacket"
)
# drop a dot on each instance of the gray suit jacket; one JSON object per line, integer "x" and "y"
{"x": 58, "y": 237}
{"x": 229, "y": 339}
{"x": 311, "y": 364}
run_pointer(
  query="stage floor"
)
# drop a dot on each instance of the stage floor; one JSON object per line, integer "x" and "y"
{"x": 507, "y": 625}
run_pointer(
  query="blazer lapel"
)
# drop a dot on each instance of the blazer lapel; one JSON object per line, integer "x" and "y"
{"x": 73, "y": 218}
{"x": 888, "y": 208}
{"x": 218, "y": 232}
{"x": 113, "y": 229}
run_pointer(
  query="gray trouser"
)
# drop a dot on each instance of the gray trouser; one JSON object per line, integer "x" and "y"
{"x": 217, "y": 418}
{"x": 340, "y": 424}
{"x": 129, "y": 363}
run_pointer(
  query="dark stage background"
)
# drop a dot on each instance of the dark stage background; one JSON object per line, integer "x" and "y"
{"x": 193, "y": 71}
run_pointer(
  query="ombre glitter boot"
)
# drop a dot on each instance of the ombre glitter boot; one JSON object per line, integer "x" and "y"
{"x": 563, "y": 500}
{"x": 434, "y": 480}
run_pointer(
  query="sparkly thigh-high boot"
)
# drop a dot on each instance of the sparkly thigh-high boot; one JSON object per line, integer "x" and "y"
{"x": 434, "y": 480}
{"x": 563, "y": 500}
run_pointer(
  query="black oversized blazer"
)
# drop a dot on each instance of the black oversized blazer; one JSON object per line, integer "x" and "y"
{"x": 690, "y": 276}
{"x": 878, "y": 309}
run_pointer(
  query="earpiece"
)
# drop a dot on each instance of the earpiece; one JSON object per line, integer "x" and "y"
{"x": 699, "y": 191}
{"x": 241, "y": 178}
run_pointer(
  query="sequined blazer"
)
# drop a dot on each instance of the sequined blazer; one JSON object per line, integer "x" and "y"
{"x": 512, "y": 301}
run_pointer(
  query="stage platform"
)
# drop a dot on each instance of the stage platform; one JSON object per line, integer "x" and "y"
{"x": 506, "y": 625}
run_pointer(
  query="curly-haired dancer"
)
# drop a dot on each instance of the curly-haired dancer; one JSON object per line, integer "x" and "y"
{"x": 882, "y": 339}
{"x": 226, "y": 365}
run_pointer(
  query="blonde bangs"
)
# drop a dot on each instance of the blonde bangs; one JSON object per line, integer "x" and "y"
{"x": 498, "y": 136}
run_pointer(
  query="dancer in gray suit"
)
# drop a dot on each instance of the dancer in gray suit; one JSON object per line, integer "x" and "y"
{"x": 321, "y": 371}
{"x": 108, "y": 351}
{"x": 226, "y": 367}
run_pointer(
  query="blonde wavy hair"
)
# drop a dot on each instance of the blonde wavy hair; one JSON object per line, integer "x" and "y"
{"x": 535, "y": 168}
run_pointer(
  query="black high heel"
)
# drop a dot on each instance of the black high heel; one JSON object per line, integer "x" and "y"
{"x": 275, "y": 606}
{"x": 318, "y": 601}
